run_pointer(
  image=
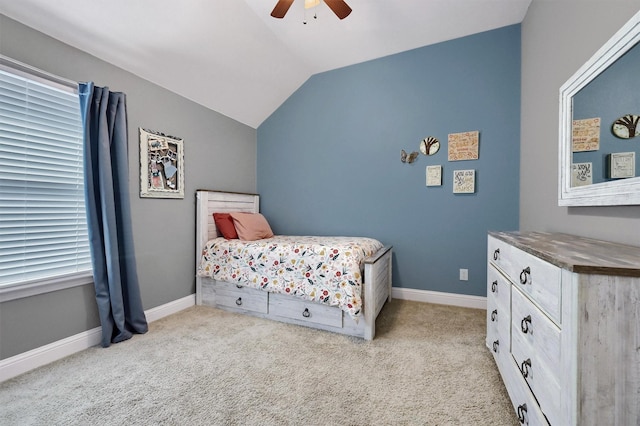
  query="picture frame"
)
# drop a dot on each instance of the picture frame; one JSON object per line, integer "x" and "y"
{"x": 463, "y": 146}
{"x": 585, "y": 135}
{"x": 581, "y": 174}
{"x": 161, "y": 165}
{"x": 434, "y": 175}
{"x": 622, "y": 165}
{"x": 464, "y": 181}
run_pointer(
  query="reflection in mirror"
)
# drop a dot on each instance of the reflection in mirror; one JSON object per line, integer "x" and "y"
{"x": 602, "y": 149}
{"x": 599, "y": 146}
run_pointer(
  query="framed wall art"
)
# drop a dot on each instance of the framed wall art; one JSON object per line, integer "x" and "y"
{"x": 585, "y": 135}
{"x": 464, "y": 181}
{"x": 581, "y": 174}
{"x": 434, "y": 175}
{"x": 463, "y": 146}
{"x": 161, "y": 165}
{"x": 622, "y": 165}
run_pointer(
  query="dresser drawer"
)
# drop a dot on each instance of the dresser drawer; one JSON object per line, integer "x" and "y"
{"x": 494, "y": 342}
{"x": 524, "y": 403}
{"x": 242, "y": 298}
{"x": 498, "y": 342}
{"x": 498, "y": 288}
{"x": 298, "y": 309}
{"x": 538, "y": 279}
{"x": 499, "y": 350}
{"x": 536, "y": 354}
{"x": 498, "y": 253}
{"x": 543, "y": 385}
{"x": 535, "y": 346}
{"x": 534, "y": 330}
{"x": 498, "y": 317}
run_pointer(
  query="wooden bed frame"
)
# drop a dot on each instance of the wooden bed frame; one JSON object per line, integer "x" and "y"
{"x": 285, "y": 308}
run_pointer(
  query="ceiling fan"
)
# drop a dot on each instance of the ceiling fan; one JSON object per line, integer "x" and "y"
{"x": 339, "y": 7}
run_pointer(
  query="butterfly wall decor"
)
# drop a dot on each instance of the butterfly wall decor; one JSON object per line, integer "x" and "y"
{"x": 408, "y": 158}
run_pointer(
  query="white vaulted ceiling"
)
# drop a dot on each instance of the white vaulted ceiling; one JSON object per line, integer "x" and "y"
{"x": 231, "y": 56}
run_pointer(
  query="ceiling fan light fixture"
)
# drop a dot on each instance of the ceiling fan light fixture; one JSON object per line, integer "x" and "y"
{"x": 308, "y": 4}
{"x": 339, "y": 7}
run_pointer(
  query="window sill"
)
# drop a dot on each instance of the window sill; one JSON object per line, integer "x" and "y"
{"x": 34, "y": 288}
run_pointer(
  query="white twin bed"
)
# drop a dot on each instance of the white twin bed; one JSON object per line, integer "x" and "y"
{"x": 337, "y": 284}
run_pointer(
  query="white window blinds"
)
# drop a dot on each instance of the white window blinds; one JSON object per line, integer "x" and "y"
{"x": 43, "y": 227}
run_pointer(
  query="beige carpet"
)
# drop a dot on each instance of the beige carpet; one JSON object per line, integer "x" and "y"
{"x": 427, "y": 366}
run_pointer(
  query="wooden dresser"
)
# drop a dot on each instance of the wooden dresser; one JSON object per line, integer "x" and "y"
{"x": 563, "y": 324}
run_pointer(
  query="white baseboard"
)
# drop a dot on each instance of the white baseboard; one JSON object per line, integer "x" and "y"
{"x": 21, "y": 363}
{"x": 170, "y": 308}
{"x": 440, "y": 298}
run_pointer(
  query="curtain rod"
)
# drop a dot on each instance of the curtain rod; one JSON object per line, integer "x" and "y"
{"x": 32, "y": 72}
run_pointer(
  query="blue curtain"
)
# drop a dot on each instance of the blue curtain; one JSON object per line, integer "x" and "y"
{"x": 104, "y": 117}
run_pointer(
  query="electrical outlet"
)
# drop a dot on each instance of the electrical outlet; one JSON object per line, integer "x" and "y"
{"x": 464, "y": 274}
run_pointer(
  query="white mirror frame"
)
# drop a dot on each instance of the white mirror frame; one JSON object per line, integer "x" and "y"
{"x": 618, "y": 192}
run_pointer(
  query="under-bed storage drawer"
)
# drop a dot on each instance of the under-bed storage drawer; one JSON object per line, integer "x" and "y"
{"x": 290, "y": 307}
{"x": 239, "y": 297}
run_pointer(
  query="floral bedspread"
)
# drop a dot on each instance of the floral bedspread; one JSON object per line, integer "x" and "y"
{"x": 320, "y": 269}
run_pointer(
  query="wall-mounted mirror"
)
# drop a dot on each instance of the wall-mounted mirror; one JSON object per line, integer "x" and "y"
{"x": 599, "y": 107}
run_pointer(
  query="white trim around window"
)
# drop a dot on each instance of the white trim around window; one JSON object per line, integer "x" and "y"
{"x": 41, "y": 286}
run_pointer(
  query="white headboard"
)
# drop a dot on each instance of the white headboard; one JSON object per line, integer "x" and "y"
{"x": 209, "y": 202}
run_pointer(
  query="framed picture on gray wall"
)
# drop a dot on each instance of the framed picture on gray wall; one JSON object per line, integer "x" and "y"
{"x": 161, "y": 165}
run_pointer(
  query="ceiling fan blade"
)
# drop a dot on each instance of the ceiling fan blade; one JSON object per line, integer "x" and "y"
{"x": 339, "y": 7}
{"x": 281, "y": 8}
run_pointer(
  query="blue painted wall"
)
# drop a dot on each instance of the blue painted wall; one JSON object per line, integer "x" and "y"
{"x": 329, "y": 158}
{"x": 611, "y": 95}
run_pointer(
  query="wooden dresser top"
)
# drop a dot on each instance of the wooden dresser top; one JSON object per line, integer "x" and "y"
{"x": 577, "y": 254}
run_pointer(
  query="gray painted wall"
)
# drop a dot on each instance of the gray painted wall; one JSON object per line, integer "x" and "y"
{"x": 558, "y": 37}
{"x": 220, "y": 153}
{"x": 329, "y": 157}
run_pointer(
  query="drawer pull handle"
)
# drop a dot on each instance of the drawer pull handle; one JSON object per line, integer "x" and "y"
{"x": 238, "y": 286}
{"x": 496, "y": 345}
{"x": 496, "y": 254}
{"x": 494, "y": 286}
{"x": 524, "y": 324}
{"x": 524, "y": 275}
{"x": 239, "y": 301}
{"x": 494, "y": 315}
{"x": 522, "y": 410}
{"x": 524, "y": 367}
{"x": 306, "y": 313}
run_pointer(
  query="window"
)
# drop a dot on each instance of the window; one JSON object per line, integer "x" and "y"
{"x": 43, "y": 226}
